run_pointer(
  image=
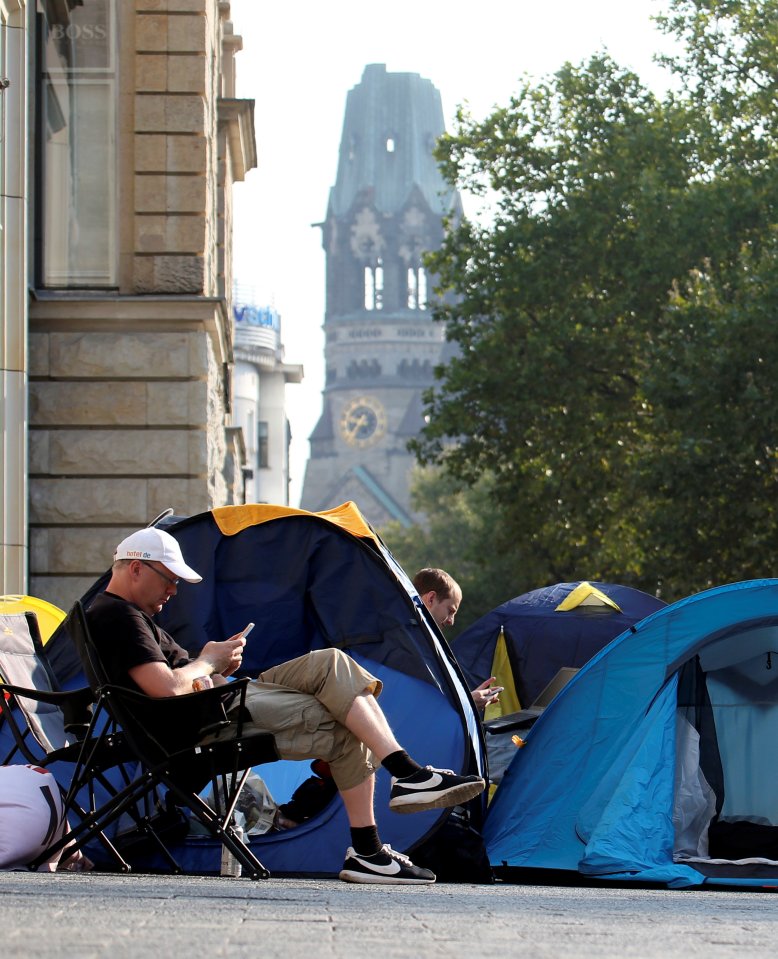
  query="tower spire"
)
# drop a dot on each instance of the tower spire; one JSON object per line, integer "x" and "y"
{"x": 385, "y": 210}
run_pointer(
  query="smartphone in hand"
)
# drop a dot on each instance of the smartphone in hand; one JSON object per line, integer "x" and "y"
{"x": 247, "y": 630}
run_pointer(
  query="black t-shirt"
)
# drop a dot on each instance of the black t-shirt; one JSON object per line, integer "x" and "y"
{"x": 126, "y": 637}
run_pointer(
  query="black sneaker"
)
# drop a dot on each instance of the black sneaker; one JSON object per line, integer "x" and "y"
{"x": 431, "y": 788}
{"x": 386, "y": 866}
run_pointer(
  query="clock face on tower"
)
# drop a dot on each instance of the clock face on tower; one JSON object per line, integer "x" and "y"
{"x": 363, "y": 421}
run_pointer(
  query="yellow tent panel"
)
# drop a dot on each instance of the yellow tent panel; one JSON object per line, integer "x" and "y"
{"x": 49, "y": 615}
{"x": 502, "y": 672}
{"x": 234, "y": 519}
{"x": 585, "y": 594}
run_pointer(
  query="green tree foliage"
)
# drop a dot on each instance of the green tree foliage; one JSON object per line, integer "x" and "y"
{"x": 729, "y": 71}
{"x": 465, "y": 536}
{"x": 711, "y": 506}
{"x": 613, "y": 313}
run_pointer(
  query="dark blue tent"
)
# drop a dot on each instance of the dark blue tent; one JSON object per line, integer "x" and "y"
{"x": 310, "y": 581}
{"x": 654, "y": 764}
{"x": 545, "y": 630}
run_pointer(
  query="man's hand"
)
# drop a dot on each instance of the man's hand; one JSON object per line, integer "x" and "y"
{"x": 225, "y": 657}
{"x": 486, "y": 694}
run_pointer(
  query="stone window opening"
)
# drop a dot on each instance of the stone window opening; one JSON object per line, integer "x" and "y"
{"x": 374, "y": 286}
{"x": 417, "y": 288}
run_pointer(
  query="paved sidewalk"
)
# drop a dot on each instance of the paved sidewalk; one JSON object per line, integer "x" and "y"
{"x": 63, "y": 915}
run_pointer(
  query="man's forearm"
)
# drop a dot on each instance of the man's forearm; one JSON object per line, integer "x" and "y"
{"x": 215, "y": 660}
{"x": 185, "y": 675}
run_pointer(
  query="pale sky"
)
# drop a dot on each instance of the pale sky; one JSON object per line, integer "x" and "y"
{"x": 299, "y": 60}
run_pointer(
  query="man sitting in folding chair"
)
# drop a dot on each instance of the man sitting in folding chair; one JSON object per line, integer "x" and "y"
{"x": 318, "y": 706}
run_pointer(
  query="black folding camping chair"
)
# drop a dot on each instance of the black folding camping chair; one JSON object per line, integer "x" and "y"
{"x": 182, "y": 743}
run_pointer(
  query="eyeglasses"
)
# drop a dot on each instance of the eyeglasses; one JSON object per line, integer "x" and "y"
{"x": 168, "y": 579}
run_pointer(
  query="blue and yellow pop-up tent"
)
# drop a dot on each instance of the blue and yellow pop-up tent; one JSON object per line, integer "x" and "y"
{"x": 526, "y": 640}
{"x": 311, "y": 581}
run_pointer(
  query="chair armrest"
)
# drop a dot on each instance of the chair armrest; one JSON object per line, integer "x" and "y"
{"x": 77, "y": 711}
{"x": 176, "y": 721}
{"x": 61, "y": 698}
{"x": 75, "y": 704}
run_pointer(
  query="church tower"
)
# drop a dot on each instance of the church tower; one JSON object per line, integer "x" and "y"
{"x": 381, "y": 344}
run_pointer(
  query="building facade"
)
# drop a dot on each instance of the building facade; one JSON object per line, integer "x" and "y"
{"x": 118, "y": 363}
{"x": 381, "y": 345}
{"x": 259, "y": 391}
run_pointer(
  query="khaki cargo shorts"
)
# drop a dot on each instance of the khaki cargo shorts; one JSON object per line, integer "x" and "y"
{"x": 304, "y": 702}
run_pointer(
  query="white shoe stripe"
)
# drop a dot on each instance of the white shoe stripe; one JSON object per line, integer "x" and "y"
{"x": 390, "y": 869}
{"x": 431, "y": 783}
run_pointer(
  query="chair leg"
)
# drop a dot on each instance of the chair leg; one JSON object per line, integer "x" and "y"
{"x": 76, "y": 839}
{"x": 251, "y": 865}
{"x": 217, "y": 828}
{"x": 92, "y": 824}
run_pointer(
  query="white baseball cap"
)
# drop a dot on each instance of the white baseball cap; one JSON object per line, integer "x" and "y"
{"x": 160, "y": 547}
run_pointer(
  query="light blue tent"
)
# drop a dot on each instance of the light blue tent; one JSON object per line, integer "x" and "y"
{"x": 656, "y": 763}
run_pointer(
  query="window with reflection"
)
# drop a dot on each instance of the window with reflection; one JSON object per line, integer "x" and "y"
{"x": 263, "y": 448}
{"x": 76, "y": 109}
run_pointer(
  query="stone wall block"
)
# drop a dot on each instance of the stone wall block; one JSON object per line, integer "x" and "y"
{"x": 169, "y": 274}
{"x": 72, "y": 550}
{"x": 149, "y": 113}
{"x": 150, "y": 193}
{"x": 169, "y": 234}
{"x": 38, "y": 363}
{"x": 181, "y": 274}
{"x": 184, "y": 113}
{"x": 38, "y": 451}
{"x": 219, "y": 491}
{"x": 186, "y": 194}
{"x": 172, "y": 6}
{"x": 151, "y": 32}
{"x": 82, "y": 501}
{"x": 202, "y": 360}
{"x": 187, "y": 34}
{"x": 143, "y": 275}
{"x": 39, "y": 550}
{"x": 176, "y": 404}
{"x": 172, "y": 113}
{"x": 112, "y": 452}
{"x": 151, "y": 233}
{"x": 117, "y": 355}
{"x": 150, "y": 152}
{"x": 156, "y": 193}
{"x": 186, "y": 74}
{"x": 186, "y": 496}
{"x": 62, "y": 591}
{"x": 198, "y": 452}
{"x": 87, "y": 404}
{"x": 186, "y": 6}
{"x": 186, "y": 154}
{"x": 151, "y": 73}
